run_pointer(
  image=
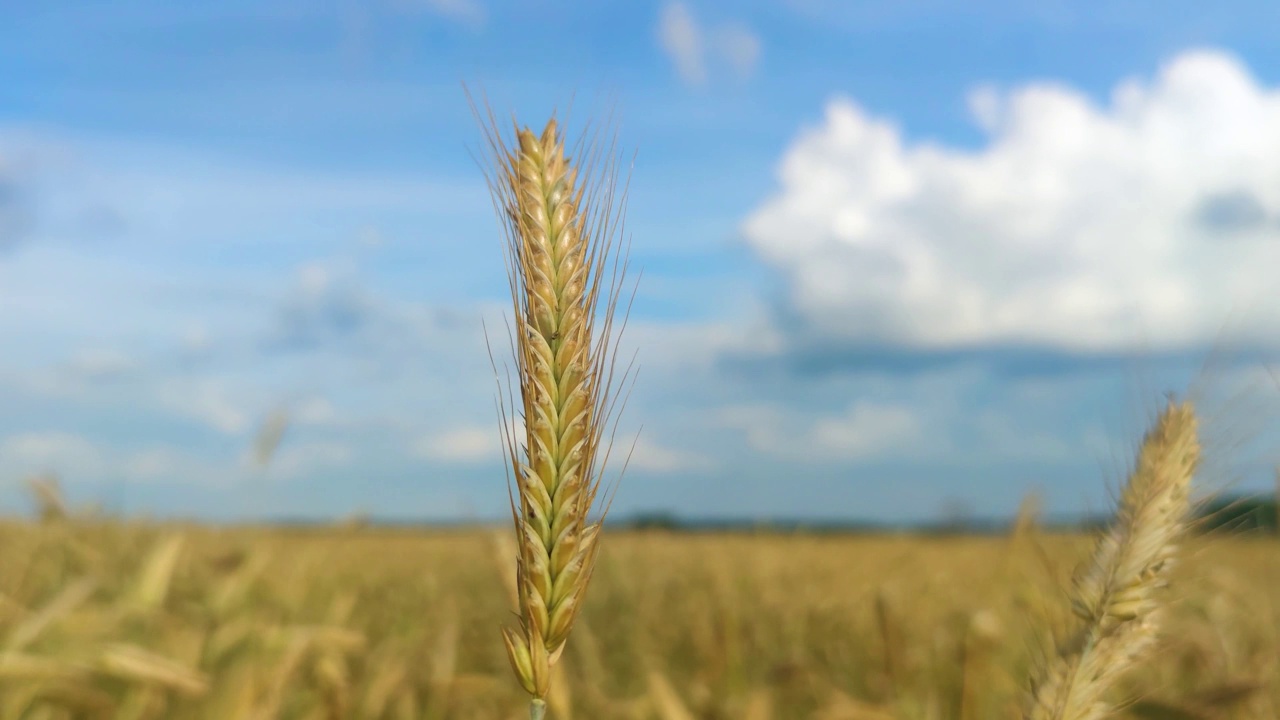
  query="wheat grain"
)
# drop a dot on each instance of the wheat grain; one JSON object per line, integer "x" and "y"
{"x": 1114, "y": 593}
{"x": 560, "y": 221}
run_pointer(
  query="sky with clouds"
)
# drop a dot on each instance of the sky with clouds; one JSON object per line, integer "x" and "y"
{"x": 900, "y": 259}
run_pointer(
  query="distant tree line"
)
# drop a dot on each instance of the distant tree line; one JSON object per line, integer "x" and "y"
{"x": 1235, "y": 515}
{"x": 1245, "y": 514}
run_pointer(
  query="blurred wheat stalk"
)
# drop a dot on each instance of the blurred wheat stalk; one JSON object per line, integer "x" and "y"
{"x": 1115, "y": 590}
{"x": 561, "y": 218}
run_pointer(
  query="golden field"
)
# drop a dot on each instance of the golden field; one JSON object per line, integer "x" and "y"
{"x": 119, "y": 620}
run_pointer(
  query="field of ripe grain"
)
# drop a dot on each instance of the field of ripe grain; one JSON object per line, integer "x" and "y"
{"x": 125, "y": 621}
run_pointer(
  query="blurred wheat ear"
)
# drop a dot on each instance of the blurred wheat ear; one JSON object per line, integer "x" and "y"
{"x": 562, "y": 219}
{"x": 1115, "y": 594}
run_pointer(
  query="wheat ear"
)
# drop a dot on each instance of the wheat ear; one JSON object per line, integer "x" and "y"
{"x": 561, "y": 227}
{"x": 1114, "y": 592}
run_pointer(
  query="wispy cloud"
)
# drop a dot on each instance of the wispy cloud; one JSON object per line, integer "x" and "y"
{"x": 209, "y": 401}
{"x": 320, "y": 308}
{"x": 461, "y": 445}
{"x": 650, "y": 455}
{"x": 864, "y": 431}
{"x": 467, "y": 12}
{"x": 682, "y": 41}
{"x": 868, "y": 429}
{"x": 85, "y": 462}
{"x": 15, "y": 214}
{"x": 694, "y": 48}
{"x": 101, "y": 363}
{"x": 739, "y": 46}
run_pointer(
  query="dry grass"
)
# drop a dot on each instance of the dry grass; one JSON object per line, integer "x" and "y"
{"x": 560, "y": 224}
{"x": 110, "y": 621}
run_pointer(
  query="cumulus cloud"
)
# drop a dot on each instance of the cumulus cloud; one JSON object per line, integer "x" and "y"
{"x": 1077, "y": 228}
{"x": 693, "y": 48}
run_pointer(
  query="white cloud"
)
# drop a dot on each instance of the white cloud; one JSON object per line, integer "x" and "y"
{"x": 1000, "y": 438}
{"x": 740, "y": 48}
{"x": 1142, "y": 224}
{"x": 81, "y": 461}
{"x": 36, "y": 452}
{"x": 956, "y": 416}
{"x": 299, "y": 460}
{"x": 370, "y": 238}
{"x": 325, "y": 304}
{"x": 315, "y": 411}
{"x": 682, "y": 41}
{"x": 482, "y": 443}
{"x": 156, "y": 464}
{"x": 684, "y": 348}
{"x": 196, "y": 342}
{"x": 648, "y": 455}
{"x": 463, "y": 445}
{"x": 15, "y": 213}
{"x": 73, "y": 377}
{"x": 867, "y": 429}
{"x": 208, "y": 401}
{"x": 100, "y": 363}
{"x": 692, "y": 47}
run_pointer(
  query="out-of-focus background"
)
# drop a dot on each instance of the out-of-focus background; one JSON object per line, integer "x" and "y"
{"x": 907, "y": 264}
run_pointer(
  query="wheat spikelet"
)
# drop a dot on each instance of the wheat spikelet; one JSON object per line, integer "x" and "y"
{"x": 1114, "y": 592}
{"x": 560, "y": 222}
{"x": 132, "y": 663}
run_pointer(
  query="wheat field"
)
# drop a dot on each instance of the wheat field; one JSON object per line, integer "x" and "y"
{"x": 121, "y": 620}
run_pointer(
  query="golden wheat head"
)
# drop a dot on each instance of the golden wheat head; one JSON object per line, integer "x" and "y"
{"x": 1115, "y": 591}
{"x": 561, "y": 223}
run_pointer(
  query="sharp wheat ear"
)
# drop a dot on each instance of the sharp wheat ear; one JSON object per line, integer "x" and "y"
{"x": 561, "y": 223}
{"x": 1114, "y": 593}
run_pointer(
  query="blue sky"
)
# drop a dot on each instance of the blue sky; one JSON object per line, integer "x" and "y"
{"x": 898, "y": 257}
